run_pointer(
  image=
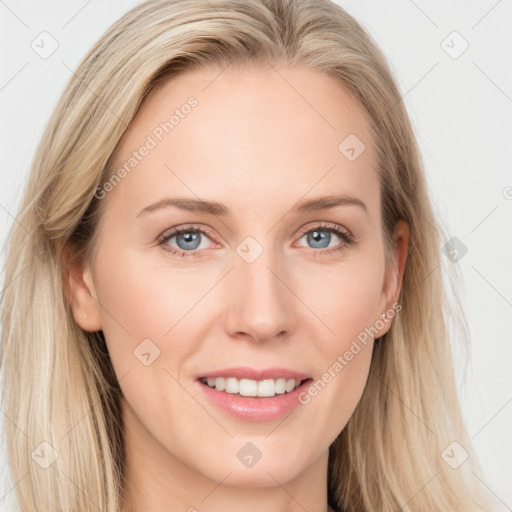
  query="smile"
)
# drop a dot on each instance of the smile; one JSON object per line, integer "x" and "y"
{"x": 255, "y": 395}
{"x": 250, "y": 387}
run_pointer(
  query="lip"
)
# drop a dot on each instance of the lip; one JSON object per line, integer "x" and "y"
{"x": 245, "y": 372}
{"x": 255, "y": 409}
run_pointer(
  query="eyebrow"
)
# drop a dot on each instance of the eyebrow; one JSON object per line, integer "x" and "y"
{"x": 219, "y": 209}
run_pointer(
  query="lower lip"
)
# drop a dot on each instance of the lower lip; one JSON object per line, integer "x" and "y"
{"x": 255, "y": 408}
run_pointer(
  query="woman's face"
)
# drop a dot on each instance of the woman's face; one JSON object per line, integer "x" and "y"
{"x": 260, "y": 169}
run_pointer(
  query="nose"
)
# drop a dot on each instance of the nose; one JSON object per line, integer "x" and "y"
{"x": 261, "y": 303}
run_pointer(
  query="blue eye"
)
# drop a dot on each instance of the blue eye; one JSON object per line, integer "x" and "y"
{"x": 190, "y": 239}
{"x": 320, "y": 236}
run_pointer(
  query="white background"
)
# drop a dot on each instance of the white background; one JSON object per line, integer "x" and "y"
{"x": 461, "y": 109}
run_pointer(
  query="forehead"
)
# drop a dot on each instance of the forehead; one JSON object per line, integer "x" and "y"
{"x": 263, "y": 132}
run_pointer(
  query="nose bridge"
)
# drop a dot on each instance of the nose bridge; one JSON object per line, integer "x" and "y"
{"x": 261, "y": 305}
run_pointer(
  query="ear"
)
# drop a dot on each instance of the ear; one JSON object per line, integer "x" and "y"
{"x": 394, "y": 275}
{"x": 79, "y": 290}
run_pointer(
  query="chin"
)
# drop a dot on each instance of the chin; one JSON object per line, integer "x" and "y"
{"x": 257, "y": 476}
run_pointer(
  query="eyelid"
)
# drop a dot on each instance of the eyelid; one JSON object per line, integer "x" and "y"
{"x": 327, "y": 226}
{"x": 185, "y": 228}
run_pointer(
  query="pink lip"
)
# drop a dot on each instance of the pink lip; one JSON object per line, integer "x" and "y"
{"x": 256, "y": 409}
{"x": 244, "y": 372}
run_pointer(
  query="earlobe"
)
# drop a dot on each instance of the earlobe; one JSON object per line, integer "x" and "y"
{"x": 79, "y": 289}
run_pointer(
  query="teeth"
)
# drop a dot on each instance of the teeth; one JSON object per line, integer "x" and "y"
{"x": 219, "y": 384}
{"x": 250, "y": 387}
{"x": 232, "y": 385}
{"x": 266, "y": 387}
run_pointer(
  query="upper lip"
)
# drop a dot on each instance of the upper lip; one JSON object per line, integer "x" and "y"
{"x": 245, "y": 372}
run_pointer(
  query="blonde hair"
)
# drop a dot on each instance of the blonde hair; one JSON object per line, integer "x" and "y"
{"x": 59, "y": 385}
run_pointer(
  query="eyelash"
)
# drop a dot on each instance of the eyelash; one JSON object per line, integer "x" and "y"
{"x": 344, "y": 235}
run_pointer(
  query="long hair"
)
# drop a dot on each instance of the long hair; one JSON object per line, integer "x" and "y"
{"x": 60, "y": 393}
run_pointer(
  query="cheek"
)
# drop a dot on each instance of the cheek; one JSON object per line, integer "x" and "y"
{"x": 141, "y": 303}
{"x": 345, "y": 298}
{"x": 346, "y": 358}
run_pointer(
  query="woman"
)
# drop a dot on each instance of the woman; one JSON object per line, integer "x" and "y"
{"x": 225, "y": 279}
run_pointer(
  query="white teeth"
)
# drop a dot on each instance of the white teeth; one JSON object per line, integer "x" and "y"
{"x": 267, "y": 387}
{"x": 280, "y": 386}
{"x": 219, "y": 384}
{"x": 290, "y": 385}
{"x": 231, "y": 385}
{"x": 250, "y": 387}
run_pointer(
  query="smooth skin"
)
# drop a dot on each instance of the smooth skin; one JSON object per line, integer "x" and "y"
{"x": 259, "y": 140}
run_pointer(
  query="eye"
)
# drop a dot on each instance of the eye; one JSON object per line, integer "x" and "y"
{"x": 189, "y": 241}
{"x": 320, "y": 236}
